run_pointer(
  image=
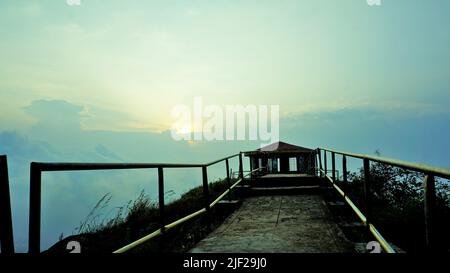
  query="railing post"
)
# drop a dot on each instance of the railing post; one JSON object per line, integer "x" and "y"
{"x": 241, "y": 168}
{"x": 34, "y": 233}
{"x": 367, "y": 191}
{"x": 430, "y": 207}
{"x": 251, "y": 167}
{"x": 6, "y": 230}
{"x": 319, "y": 153}
{"x": 344, "y": 175}
{"x": 325, "y": 162}
{"x": 333, "y": 166}
{"x": 227, "y": 167}
{"x": 316, "y": 163}
{"x": 206, "y": 196}
{"x": 162, "y": 221}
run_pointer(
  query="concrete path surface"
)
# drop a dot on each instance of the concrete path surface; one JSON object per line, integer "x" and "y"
{"x": 277, "y": 224}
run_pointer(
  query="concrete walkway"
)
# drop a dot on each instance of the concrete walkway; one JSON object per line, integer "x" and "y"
{"x": 277, "y": 224}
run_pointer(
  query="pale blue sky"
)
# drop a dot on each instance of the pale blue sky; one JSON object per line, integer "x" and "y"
{"x": 98, "y": 82}
{"x": 140, "y": 58}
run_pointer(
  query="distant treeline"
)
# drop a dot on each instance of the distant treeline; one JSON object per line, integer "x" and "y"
{"x": 397, "y": 201}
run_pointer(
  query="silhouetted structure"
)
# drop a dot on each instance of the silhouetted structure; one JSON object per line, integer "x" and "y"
{"x": 281, "y": 157}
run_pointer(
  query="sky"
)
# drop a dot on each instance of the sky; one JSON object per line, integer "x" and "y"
{"x": 97, "y": 83}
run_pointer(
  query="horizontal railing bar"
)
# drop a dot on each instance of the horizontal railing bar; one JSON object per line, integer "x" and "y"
{"x": 184, "y": 219}
{"x": 423, "y": 168}
{"x": 159, "y": 231}
{"x": 76, "y": 166}
{"x": 235, "y": 184}
{"x": 219, "y": 198}
{"x": 231, "y": 187}
{"x": 48, "y": 167}
{"x": 360, "y": 215}
{"x": 140, "y": 241}
{"x": 384, "y": 244}
{"x": 220, "y": 160}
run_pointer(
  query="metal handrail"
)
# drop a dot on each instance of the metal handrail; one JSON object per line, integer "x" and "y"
{"x": 180, "y": 221}
{"x": 423, "y": 168}
{"x": 36, "y": 169}
{"x": 384, "y": 244}
{"x": 56, "y": 167}
{"x": 6, "y": 227}
{"x": 428, "y": 171}
{"x": 220, "y": 160}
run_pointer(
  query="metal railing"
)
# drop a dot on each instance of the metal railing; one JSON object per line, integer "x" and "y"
{"x": 37, "y": 168}
{"x": 6, "y": 230}
{"x": 429, "y": 173}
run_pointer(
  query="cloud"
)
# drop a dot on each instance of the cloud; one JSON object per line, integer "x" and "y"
{"x": 55, "y": 112}
{"x": 102, "y": 150}
{"x": 94, "y": 118}
{"x": 392, "y": 108}
{"x": 399, "y": 133}
{"x": 57, "y": 136}
{"x": 61, "y": 115}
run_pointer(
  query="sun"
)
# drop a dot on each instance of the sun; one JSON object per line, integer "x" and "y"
{"x": 183, "y": 128}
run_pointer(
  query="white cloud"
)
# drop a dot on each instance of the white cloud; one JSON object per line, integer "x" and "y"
{"x": 390, "y": 107}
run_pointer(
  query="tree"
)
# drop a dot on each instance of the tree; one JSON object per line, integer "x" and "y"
{"x": 397, "y": 204}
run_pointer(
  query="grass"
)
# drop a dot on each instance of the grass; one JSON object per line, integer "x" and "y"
{"x": 141, "y": 217}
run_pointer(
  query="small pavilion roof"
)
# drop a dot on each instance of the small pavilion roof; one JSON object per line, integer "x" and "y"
{"x": 279, "y": 147}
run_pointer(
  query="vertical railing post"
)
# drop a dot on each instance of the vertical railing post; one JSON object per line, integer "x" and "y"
{"x": 162, "y": 221}
{"x": 333, "y": 166}
{"x": 241, "y": 168}
{"x": 319, "y": 153}
{"x": 6, "y": 230}
{"x": 325, "y": 162}
{"x": 367, "y": 191}
{"x": 316, "y": 163}
{"x": 430, "y": 209}
{"x": 206, "y": 196}
{"x": 227, "y": 167}
{"x": 344, "y": 174}
{"x": 251, "y": 167}
{"x": 34, "y": 233}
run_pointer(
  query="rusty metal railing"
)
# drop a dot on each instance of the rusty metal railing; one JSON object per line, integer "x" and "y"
{"x": 37, "y": 168}
{"x": 429, "y": 173}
